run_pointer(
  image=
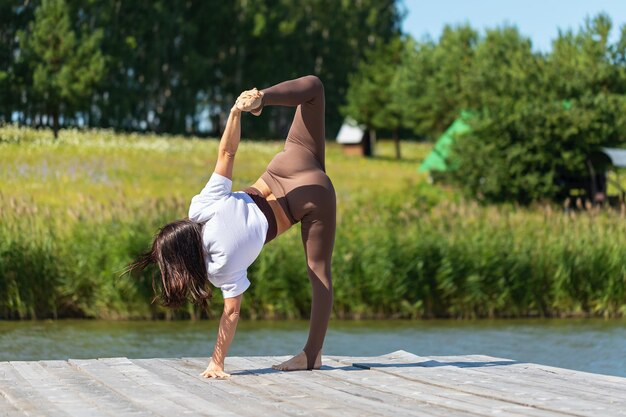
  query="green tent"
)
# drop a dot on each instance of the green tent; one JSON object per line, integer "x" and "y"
{"x": 436, "y": 159}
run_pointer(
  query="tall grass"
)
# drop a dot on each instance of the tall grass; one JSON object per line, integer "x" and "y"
{"x": 74, "y": 212}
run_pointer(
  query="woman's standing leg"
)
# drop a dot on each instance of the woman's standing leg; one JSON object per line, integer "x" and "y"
{"x": 318, "y": 238}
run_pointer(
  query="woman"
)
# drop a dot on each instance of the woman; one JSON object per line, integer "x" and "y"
{"x": 226, "y": 230}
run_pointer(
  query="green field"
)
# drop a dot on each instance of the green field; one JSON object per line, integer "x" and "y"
{"x": 74, "y": 212}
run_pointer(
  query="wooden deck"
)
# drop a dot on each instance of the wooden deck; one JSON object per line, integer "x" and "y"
{"x": 396, "y": 384}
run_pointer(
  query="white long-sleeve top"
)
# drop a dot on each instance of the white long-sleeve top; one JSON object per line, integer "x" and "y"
{"x": 233, "y": 235}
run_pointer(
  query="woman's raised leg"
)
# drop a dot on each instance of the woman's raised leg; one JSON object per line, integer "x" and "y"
{"x": 308, "y": 126}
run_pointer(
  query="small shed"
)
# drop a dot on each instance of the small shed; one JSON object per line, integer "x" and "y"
{"x": 354, "y": 138}
{"x": 597, "y": 185}
{"x": 600, "y": 164}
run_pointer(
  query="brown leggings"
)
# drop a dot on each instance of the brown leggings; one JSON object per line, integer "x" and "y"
{"x": 297, "y": 177}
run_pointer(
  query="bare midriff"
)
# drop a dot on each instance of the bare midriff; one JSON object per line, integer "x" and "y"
{"x": 282, "y": 221}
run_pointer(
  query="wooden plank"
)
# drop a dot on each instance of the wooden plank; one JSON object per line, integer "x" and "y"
{"x": 511, "y": 407}
{"x": 152, "y": 395}
{"x": 338, "y": 398}
{"x": 7, "y": 409}
{"x": 442, "y": 397}
{"x": 374, "y": 398}
{"x": 267, "y": 386}
{"x": 584, "y": 385}
{"x": 417, "y": 392}
{"x": 245, "y": 394}
{"x": 225, "y": 400}
{"x": 185, "y": 399}
{"x": 467, "y": 360}
{"x": 569, "y": 377}
{"x": 92, "y": 391}
{"x": 12, "y": 392}
{"x": 491, "y": 386}
{"x": 449, "y": 396}
{"x": 526, "y": 375}
{"x": 408, "y": 366}
{"x": 21, "y": 395}
{"x": 55, "y": 391}
{"x": 613, "y": 379}
{"x": 278, "y": 392}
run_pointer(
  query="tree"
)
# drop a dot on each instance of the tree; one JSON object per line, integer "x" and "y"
{"x": 6, "y": 61}
{"x": 173, "y": 66}
{"x": 363, "y": 99}
{"x": 432, "y": 78}
{"x": 504, "y": 69}
{"x": 369, "y": 99}
{"x": 171, "y": 71}
{"x": 389, "y": 115}
{"x": 66, "y": 66}
{"x": 13, "y": 17}
{"x": 539, "y": 116}
{"x": 585, "y": 62}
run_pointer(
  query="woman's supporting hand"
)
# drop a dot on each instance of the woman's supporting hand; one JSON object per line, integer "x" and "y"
{"x": 250, "y": 100}
{"x": 225, "y": 334}
{"x": 215, "y": 370}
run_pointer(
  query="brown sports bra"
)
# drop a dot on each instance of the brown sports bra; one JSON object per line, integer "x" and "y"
{"x": 265, "y": 207}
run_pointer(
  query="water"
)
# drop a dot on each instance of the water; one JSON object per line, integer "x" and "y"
{"x": 591, "y": 345}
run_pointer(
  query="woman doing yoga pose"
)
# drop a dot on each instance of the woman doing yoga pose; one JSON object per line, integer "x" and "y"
{"x": 226, "y": 230}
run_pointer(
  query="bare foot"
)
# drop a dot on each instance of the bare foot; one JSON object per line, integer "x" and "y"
{"x": 298, "y": 363}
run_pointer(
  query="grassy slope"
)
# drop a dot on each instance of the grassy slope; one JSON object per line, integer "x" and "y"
{"x": 105, "y": 167}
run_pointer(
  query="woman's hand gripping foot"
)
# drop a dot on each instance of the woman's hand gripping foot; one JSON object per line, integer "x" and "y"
{"x": 251, "y": 101}
{"x": 298, "y": 363}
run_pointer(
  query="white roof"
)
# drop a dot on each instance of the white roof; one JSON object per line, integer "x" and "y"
{"x": 350, "y": 132}
{"x": 617, "y": 156}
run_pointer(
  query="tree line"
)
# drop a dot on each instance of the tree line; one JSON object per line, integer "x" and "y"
{"x": 176, "y": 67}
{"x": 535, "y": 116}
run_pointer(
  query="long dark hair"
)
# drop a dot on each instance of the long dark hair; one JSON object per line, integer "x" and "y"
{"x": 178, "y": 251}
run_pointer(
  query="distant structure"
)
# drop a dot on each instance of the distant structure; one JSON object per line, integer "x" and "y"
{"x": 594, "y": 185}
{"x": 354, "y": 138}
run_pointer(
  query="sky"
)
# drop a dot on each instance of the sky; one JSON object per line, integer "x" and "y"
{"x": 539, "y": 20}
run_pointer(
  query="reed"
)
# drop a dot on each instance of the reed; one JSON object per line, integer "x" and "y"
{"x": 74, "y": 212}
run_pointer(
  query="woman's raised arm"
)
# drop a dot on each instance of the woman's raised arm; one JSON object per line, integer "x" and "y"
{"x": 228, "y": 144}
